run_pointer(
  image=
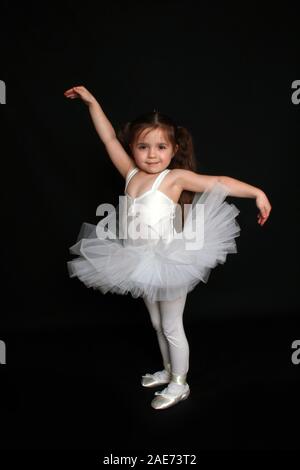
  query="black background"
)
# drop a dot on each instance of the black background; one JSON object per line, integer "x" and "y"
{"x": 75, "y": 356}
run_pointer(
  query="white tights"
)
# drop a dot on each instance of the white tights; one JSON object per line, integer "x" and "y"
{"x": 167, "y": 319}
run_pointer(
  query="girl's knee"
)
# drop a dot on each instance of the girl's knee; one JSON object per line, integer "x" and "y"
{"x": 171, "y": 332}
{"x": 157, "y": 326}
{"x": 171, "y": 326}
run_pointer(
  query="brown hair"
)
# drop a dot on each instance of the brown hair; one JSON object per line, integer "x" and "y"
{"x": 184, "y": 157}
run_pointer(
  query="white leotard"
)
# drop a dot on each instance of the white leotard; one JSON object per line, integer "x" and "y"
{"x": 153, "y": 208}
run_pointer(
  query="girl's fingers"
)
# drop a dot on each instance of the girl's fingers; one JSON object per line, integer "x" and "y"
{"x": 263, "y": 219}
{"x": 73, "y": 90}
{"x": 71, "y": 95}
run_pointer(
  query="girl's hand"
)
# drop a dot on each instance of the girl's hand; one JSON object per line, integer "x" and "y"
{"x": 80, "y": 92}
{"x": 264, "y": 206}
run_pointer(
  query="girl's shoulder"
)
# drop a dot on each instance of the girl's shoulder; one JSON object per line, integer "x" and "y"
{"x": 131, "y": 169}
{"x": 179, "y": 174}
{"x": 182, "y": 171}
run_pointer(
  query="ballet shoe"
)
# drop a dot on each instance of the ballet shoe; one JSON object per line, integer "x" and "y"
{"x": 158, "y": 378}
{"x": 169, "y": 396}
{"x": 153, "y": 380}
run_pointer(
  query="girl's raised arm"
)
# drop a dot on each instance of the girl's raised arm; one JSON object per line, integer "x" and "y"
{"x": 122, "y": 161}
{"x": 191, "y": 181}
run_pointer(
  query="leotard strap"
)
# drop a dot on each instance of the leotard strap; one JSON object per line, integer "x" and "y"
{"x": 156, "y": 183}
{"x": 130, "y": 174}
{"x": 159, "y": 179}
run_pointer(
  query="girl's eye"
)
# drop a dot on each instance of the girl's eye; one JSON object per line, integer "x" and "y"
{"x": 143, "y": 146}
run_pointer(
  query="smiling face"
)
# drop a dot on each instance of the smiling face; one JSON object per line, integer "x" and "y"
{"x": 152, "y": 150}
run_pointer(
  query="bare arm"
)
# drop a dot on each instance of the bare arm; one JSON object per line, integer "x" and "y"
{"x": 122, "y": 161}
{"x": 102, "y": 125}
{"x": 115, "y": 150}
{"x": 238, "y": 188}
{"x": 191, "y": 181}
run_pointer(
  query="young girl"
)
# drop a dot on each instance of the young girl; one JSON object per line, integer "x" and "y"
{"x": 153, "y": 259}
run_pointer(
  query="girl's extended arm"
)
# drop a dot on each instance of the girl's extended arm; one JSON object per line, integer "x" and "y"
{"x": 191, "y": 181}
{"x": 104, "y": 129}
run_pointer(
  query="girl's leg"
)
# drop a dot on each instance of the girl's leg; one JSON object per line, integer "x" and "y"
{"x": 172, "y": 325}
{"x": 153, "y": 308}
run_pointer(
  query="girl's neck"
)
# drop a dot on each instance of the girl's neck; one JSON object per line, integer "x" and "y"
{"x": 149, "y": 173}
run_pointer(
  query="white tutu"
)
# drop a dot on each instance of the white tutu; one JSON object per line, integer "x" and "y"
{"x": 160, "y": 269}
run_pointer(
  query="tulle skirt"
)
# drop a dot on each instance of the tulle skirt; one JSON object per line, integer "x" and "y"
{"x": 161, "y": 270}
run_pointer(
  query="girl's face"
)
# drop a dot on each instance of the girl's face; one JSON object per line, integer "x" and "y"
{"x": 152, "y": 151}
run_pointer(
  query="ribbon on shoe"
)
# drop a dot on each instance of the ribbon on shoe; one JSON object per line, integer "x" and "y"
{"x": 158, "y": 378}
{"x": 161, "y": 375}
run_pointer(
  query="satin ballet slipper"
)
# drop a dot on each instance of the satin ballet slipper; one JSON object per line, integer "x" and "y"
{"x": 158, "y": 378}
{"x": 164, "y": 399}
